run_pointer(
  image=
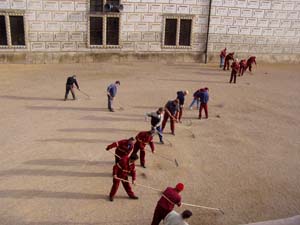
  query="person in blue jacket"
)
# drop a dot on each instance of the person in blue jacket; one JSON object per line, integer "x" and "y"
{"x": 181, "y": 97}
{"x": 111, "y": 94}
{"x": 204, "y": 98}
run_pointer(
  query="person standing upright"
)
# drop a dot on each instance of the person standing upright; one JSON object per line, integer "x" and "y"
{"x": 156, "y": 120}
{"x": 70, "y": 85}
{"x": 250, "y": 61}
{"x": 204, "y": 98}
{"x": 235, "y": 69}
{"x": 170, "y": 197}
{"x": 227, "y": 59}
{"x": 171, "y": 109}
{"x": 222, "y": 57}
{"x": 111, "y": 94}
{"x": 181, "y": 97}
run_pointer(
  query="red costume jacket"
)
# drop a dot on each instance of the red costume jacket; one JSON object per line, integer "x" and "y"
{"x": 235, "y": 67}
{"x": 243, "y": 63}
{"x": 122, "y": 169}
{"x": 229, "y": 56}
{"x": 223, "y": 53}
{"x": 251, "y": 60}
{"x": 173, "y": 198}
{"x": 143, "y": 138}
{"x": 123, "y": 147}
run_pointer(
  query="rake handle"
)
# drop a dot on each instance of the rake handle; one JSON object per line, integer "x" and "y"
{"x": 203, "y": 207}
{"x": 139, "y": 184}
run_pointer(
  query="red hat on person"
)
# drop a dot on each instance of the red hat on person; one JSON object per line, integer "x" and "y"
{"x": 179, "y": 186}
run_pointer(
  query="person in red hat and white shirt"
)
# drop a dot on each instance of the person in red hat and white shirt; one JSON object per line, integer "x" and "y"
{"x": 170, "y": 197}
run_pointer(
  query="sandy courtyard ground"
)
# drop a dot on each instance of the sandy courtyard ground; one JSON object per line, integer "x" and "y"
{"x": 54, "y": 170}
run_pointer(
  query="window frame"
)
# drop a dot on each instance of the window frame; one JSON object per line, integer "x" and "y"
{"x": 7, "y": 14}
{"x": 178, "y": 18}
{"x": 104, "y": 16}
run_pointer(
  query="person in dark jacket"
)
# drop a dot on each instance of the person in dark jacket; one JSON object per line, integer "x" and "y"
{"x": 111, "y": 94}
{"x": 227, "y": 60}
{"x": 171, "y": 109}
{"x": 170, "y": 197}
{"x": 156, "y": 120}
{"x": 70, "y": 85}
{"x": 196, "y": 99}
{"x": 181, "y": 97}
{"x": 204, "y": 98}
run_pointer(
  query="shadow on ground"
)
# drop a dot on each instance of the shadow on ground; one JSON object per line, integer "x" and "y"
{"x": 97, "y": 130}
{"x": 75, "y": 140}
{"x": 24, "y": 98}
{"x": 51, "y": 173}
{"x": 66, "y": 162}
{"x": 66, "y": 108}
{"x": 23, "y": 194}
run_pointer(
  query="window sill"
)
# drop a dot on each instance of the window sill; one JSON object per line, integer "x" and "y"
{"x": 13, "y": 47}
{"x": 105, "y": 46}
{"x": 176, "y": 47}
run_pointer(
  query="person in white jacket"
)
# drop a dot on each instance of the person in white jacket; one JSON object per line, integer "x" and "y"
{"x": 156, "y": 120}
{"x": 174, "y": 218}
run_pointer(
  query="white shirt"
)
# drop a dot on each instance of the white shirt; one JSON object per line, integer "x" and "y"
{"x": 174, "y": 218}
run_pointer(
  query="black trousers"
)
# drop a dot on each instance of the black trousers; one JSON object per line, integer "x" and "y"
{"x": 69, "y": 88}
{"x": 233, "y": 77}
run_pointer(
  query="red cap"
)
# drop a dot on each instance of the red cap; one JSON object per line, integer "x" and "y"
{"x": 179, "y": 186}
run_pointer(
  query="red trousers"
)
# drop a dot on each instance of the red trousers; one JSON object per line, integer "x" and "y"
{"x": 226, "y": 65}
{"x": 172, "y": 123}
{"x": 159, "y": 214}
{"x": 242, "y": 70}
{"x": 115, "y": 187}
{"x": 203, "y": 106}
{"x": 136, "y": 148}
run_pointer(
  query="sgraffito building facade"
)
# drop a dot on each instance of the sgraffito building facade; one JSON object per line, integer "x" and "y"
{"x": 57, "y": 31}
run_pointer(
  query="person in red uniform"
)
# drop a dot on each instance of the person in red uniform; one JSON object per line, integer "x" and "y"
{"x": 222, "y": 57}
{"x": 171, "y": 109}
{"x": 123, "y": 148}
{"x": 143, "y": 138}
{"x": 170, "y": 197}
{"x": 235, "y": 69}
{"x": 250, "y": 61}
{"x": 243, "y": 66}
{"x": 121, "y": 170}
{"x": 227, "y": 59}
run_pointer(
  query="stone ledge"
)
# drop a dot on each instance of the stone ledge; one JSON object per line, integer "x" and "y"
{"x": 88, "y": 57}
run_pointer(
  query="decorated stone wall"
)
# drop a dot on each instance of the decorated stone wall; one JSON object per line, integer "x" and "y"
{"x": 58, "y": 30}
{"x": 269, "y": 29}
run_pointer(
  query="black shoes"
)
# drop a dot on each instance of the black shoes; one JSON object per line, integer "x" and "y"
{"x": 134, "y": 197}
{"x": 162, "y": 142}
{"x": 143, "y": 166}
{"x": 111, "y": 198}
{"x": 111, "y": 110}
